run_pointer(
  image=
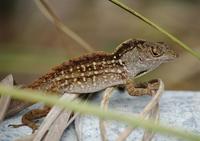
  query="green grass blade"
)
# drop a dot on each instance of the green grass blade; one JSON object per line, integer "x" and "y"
{"x": 141, "y": 17}
{"x": 133, "y": 121}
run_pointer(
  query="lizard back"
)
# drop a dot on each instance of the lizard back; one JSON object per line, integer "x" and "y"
{"x": 86, "y": 74}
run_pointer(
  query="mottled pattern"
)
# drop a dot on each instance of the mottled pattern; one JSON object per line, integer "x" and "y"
{"x": 86, "y": 74}
{"x": 128, "y": 46}
{"x": 94, "y": 72}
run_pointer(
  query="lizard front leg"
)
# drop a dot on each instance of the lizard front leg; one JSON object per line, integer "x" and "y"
{"x": 146, "y": 88}
{"x": 30, "y": 118}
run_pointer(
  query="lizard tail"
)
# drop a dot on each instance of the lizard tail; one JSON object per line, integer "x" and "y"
{"x": 16, "y": 106}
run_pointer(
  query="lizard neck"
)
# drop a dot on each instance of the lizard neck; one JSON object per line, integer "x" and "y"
{"x": 129, "y": 60}
{"x": 134, "y": 66}
{"x": 132, "y": 62}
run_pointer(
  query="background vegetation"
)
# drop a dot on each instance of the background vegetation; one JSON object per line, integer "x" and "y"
{"x": 30, "y": 45}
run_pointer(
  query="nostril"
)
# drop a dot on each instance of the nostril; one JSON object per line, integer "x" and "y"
{"x": 174, "y": 54}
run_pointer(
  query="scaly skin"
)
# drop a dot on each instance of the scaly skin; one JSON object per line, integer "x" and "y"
{"x": 97, "y": 71}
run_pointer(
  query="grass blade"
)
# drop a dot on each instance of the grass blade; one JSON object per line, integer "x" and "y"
{"x": 147, "y": 21}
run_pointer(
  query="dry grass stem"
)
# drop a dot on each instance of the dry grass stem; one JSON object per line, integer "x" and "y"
{"x": 154, "y": 115}
{"x": 51, "y": 119}
{"x": 5, "y": 100}
{"x": 55, "y": 122}
{"x": 57, "y": 128}
{"x": 151, "y": 110}
{"x": 48, "y": 12}
{"x": 73, "y": 117}
{"x": 27, "y": 138}
{"x": 61, "y": 123}
{"x": 104, "y": 105}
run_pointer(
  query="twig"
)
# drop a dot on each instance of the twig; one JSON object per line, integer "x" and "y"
{"x": 46, "y": 10}
{"x": 141, "y": 17}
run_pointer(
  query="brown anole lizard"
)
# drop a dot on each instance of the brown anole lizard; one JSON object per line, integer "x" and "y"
{"x": 97, "y": 71}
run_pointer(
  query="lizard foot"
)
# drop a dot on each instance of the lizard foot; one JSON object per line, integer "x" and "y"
{"x": 146, "y": 88}
{"x": 153, "y": 86}
{"x": 34, "y": 127}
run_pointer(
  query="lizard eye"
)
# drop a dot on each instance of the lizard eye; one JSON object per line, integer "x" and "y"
{"x": 156, "y": 51}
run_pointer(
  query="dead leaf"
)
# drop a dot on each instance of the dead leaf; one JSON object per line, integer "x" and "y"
{"x": 5, "y": 100}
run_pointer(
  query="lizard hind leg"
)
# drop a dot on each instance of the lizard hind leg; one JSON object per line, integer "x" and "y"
{"x": 30, "y": 118}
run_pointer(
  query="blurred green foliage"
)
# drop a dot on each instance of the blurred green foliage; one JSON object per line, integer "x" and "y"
{"x": 30, "y": 45}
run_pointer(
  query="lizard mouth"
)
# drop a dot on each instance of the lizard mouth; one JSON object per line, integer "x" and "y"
{"x": 141, "y": 73}
{"x": 171, "y": 57}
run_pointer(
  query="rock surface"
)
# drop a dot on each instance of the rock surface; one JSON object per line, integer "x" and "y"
{"x": 177, "y": 109}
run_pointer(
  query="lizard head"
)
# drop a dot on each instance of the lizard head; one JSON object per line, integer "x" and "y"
{"x": 140, "y": 56}
{"x": 157, "y": 52}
